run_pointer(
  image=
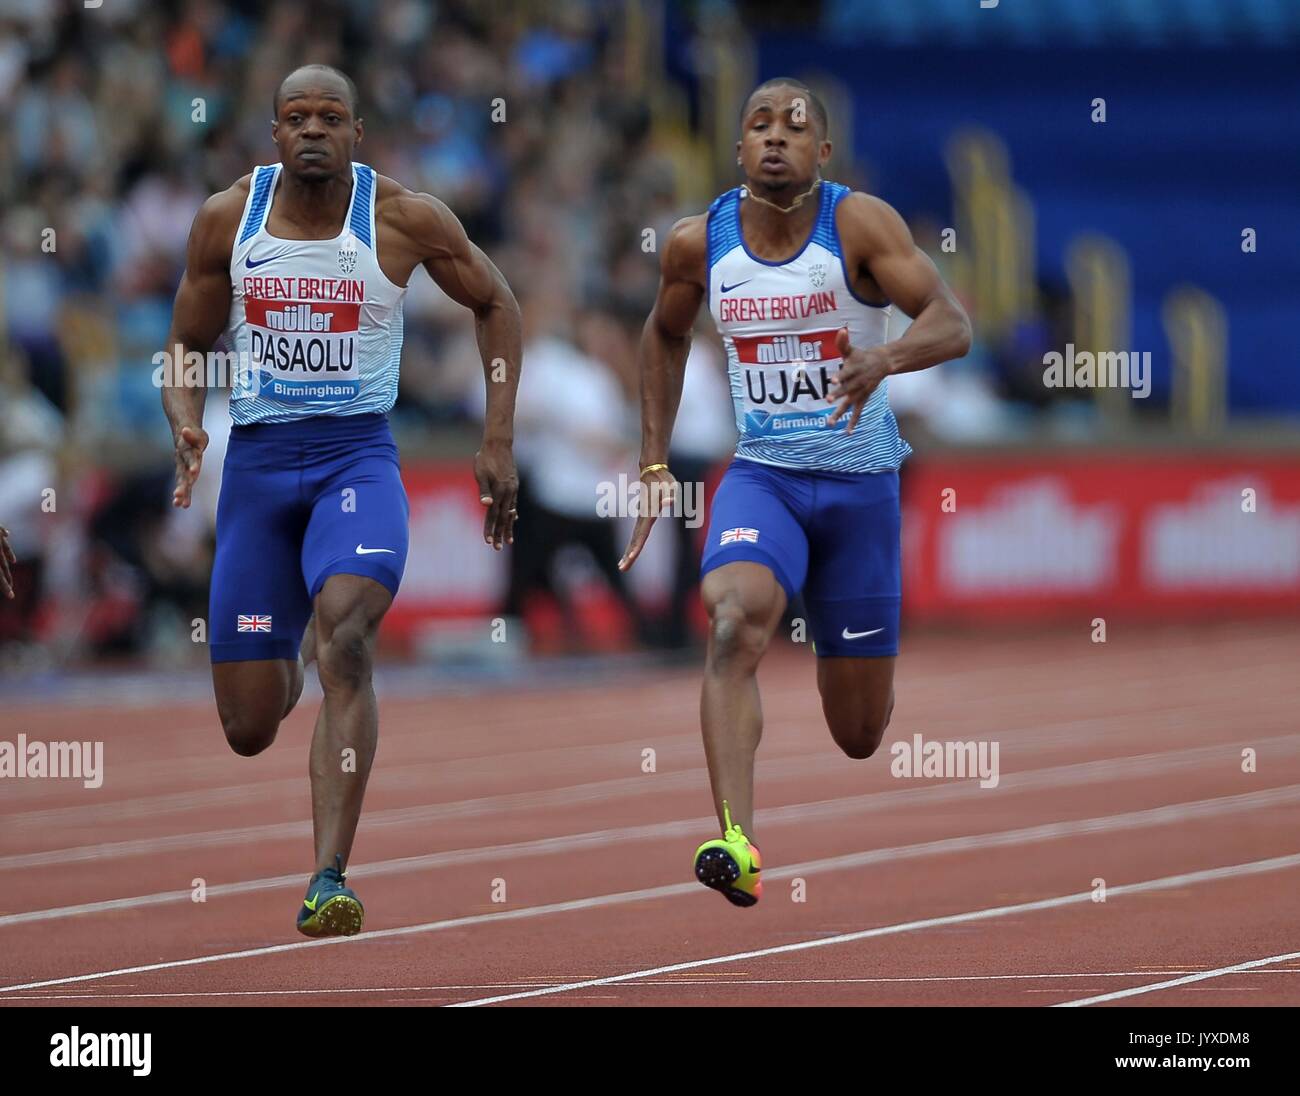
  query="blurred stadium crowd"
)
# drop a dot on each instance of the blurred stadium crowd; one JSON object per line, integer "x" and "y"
{"x": 121, "y": 119}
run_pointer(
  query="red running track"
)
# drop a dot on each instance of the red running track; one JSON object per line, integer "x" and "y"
{"x": 1120, "y": 768}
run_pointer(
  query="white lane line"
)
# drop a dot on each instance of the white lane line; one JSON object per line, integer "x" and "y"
{"x": 1277, "y": 863}
{"x": 1236, "y": 968}
{"x": 526, "y": 912}
{"x": 800, "y": 812}
{"x": 147, "y": 772}
{"x": 1082, "y": 772}
{"x": 619, "y": 898}
{"x": 315, "y": 991}
{"x": 415, "y": 774}
{"x": 568, "y": 795}
{"x": 714, "y": 979}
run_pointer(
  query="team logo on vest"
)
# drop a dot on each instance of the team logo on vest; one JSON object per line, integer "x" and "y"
{"x": 817, "y": 275}
{"x": 348, "y": 254}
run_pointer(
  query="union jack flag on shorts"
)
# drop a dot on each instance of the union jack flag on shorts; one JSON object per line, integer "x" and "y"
{"x": 253, "y": 623}
{"x": 731, "y": 536}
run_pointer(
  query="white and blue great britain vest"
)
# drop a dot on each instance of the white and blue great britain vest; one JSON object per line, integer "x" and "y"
{"x": 317, "y": 321}
{"x": 778, "y": 322}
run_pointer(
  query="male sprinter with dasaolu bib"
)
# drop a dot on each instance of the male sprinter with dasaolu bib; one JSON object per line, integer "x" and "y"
{"x": 800, "y": 274}
{"x": 304, "y": 264}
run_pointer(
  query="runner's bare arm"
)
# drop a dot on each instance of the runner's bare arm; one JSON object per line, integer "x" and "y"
{"x": 876, "y": 238}
{"x": 199, "y": 316}
{"x": 879, "y": 239}
{"x": 7, "y": 558}
{"x": 469, "y": 277}
{"x": 666, "y": 337}
{"x": 665, "y": 344}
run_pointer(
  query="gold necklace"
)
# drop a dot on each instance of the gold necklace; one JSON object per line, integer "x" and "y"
{"x": 745, "y": 192}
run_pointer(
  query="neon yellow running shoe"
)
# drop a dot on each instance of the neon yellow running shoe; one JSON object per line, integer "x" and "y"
{"x": 731, "y": 864}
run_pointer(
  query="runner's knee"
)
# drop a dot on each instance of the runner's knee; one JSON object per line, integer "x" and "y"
{"x": 344, "y": 657}
{"x": 858, "y": 729}
{"x": 349, "y": 610}
{"x": 248, "y": 732}
{"x": 861, "y": 740}
{"x": 252, "y": 699}
{"x": 738, "y": 632}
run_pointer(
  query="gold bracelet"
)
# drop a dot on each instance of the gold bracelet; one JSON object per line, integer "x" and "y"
{"x": 653, "y": 468}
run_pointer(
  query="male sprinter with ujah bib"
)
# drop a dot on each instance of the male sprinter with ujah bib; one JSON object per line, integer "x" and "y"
{"x": 303, "y": 265}
{"x": 800, "y": 274}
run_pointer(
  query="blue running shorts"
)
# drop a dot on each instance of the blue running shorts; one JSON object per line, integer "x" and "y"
{"x": 301, "y": 501}
{"x": 835, "y": 536}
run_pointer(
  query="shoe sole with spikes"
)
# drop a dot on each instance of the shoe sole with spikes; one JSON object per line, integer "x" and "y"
{"x": 340, "y": 916}
{"x": 717, "y": 868}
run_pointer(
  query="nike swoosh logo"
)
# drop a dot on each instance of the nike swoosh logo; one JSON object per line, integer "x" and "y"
{"x": 728, "y": 288}
{"x": 249, "y": 262}
{"x": 311, "y": 903}
{"x": 370, "y": 551}
{"x": 858, "y": 635}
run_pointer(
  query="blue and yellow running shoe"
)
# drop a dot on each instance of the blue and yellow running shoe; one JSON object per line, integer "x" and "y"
{"x": 731, "y": 864}
{"x": 329, "y": 908}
